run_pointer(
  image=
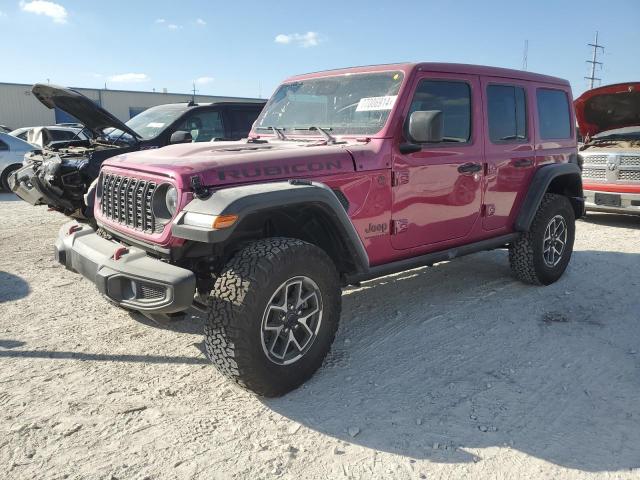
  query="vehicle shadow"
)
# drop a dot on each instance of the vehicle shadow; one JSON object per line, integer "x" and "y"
{"x": 9, "y": 197}
{"x": 192, "y": 323}
{"x": 613, "y": 220}
{"x": 432, "y": 362}
{"x": 12, "y": 287}
{"x": 99, "y": 357}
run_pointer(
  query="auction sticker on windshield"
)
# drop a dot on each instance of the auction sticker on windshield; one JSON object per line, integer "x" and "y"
{"x": 368, "y": 104}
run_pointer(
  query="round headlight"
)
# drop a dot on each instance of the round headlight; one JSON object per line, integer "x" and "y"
{"x": 165, "y": 202}
{"x": 171, "y": 200}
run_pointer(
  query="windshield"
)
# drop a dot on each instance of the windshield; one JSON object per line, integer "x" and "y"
{"x": 149, "y": 123}
{"x": 345, "y": 104}
{"x": 630, "y": 133}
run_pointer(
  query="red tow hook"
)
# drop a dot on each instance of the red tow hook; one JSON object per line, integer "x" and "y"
{"x": 74, "y": 228}
{"x": 120, "y": 251}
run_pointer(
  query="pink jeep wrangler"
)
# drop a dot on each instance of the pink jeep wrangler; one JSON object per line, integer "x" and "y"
{"x": 346, "y": 176}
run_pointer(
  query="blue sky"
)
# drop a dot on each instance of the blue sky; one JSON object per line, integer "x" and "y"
{"x": 246, "y": 48}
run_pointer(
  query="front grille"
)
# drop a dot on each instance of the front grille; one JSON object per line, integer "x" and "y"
{"x": 593, "y": 173}
{"x": 128, "y": 201}
{"x": 629, "y": 175}
{"x": 630, "y": 160}
{"x": 595, "y": 159}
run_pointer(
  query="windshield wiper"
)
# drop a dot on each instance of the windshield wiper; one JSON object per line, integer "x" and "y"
{"x": 324, "y": 131}
{"x": 277, "y": 131}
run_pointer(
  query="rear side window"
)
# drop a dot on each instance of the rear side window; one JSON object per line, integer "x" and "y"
{"x": 553, "y": 114}
{"x": 62, "y": 135}
{"x": 453, "y": 99}
{"x": 507, "y": 113}
{"x": 241, "y": 120}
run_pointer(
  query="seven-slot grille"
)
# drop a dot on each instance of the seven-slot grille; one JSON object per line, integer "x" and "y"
{"x": 593, "y": 173}
{"x": 129, "y": 201}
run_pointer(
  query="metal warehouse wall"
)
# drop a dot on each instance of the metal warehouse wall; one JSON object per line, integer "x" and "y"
{"x": 19, "y": 108}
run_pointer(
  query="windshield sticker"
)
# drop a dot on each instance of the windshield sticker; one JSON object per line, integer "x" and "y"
{"x": 369, "y": 104}
{"x": 155, "y": 125}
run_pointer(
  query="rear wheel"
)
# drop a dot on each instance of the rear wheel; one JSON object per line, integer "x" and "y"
{"x": 4, "y": 178}
{"x": 273, "y": 315}
{"x": 541, "y": 255}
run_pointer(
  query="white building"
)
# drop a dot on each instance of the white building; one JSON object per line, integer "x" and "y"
{"x": 19, "y": 108}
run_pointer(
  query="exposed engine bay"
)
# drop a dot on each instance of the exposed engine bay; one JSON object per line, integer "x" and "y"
{"x": 61, "y": 178}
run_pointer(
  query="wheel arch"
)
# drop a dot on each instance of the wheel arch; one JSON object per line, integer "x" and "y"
{"x": 559, "y": 178}
{"x": 307, "y": 211}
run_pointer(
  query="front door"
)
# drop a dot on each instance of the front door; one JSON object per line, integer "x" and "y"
{"x": 437, "y": 190}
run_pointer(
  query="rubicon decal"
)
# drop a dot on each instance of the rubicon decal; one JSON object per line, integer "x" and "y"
{"x": 278, "y": 170}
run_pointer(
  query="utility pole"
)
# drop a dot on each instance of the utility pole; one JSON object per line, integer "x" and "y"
{"x": 594, "y": 62}
{"x": 525, "y": 55}
{"x": 193, "y": 97}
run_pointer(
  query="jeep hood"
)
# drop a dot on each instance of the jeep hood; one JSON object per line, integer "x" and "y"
{"x": 608, "y": 108}
{"x": 92, "y": 116}
{"x": 227, "y": 163}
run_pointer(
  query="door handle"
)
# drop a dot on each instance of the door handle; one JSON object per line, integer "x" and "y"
{"x": 522, "y": 162}
{"x": 469, "y": 168}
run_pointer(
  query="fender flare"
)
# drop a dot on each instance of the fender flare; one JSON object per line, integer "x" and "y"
{"x": 540, "y": 185}
{"x": 250, "y": 199}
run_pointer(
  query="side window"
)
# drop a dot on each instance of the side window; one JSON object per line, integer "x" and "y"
{"x": 453, "y": 99}
{"x": 133, "y": 111}
{"x": 553, "y": 114}
{"x": 203, "y": 125}
{"x": 507, "y": 111}
{"x": 3, "y": 146}
{"x": 57, "y": 135}
{"x": 241, "y": 120}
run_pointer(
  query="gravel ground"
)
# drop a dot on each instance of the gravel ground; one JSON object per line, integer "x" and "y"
{"x": 450, "y": 372}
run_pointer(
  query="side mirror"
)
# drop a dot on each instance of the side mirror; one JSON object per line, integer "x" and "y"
{"x": 180, "y": 136}
{"x": 426, "y": 126}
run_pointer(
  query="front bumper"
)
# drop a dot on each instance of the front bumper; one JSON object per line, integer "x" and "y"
{"x": 629, "y": 202}
{"x": 131, "y": 279}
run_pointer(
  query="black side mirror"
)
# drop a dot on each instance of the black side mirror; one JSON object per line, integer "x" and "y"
{"x": 180, "y": 136}
{"x": 426, "y": 126}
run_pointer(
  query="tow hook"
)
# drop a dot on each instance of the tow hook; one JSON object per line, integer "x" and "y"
{"x": 74, "y": 228}
{"x": 120, "y": 251}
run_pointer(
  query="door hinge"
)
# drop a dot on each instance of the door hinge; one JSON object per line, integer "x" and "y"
{"x": 399, "y": 226}
{"x": 488, "y": 209}
{"x": 399, "y": 177}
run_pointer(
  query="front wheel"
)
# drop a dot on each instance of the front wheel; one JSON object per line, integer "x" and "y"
{"x": 273, "y": 315}
{"x": 4, "y": 178}
{"x": 541, "y": 255}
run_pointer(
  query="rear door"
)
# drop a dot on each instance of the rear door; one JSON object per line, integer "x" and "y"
{"x": 509, "y": 149}
{"x": 437, "y": 190}
{"x": 239, "y": 120}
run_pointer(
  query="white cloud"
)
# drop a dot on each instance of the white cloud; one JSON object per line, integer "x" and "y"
{"x": 160, "y": 20}
{"x": 129, "y": 78}
{"x": 309, "y": 39}
{"x": 52, "y": 10}
{"x": 173, "y": 26}
{"x": 200, "y": 21}
{"x": 204, "y": 80}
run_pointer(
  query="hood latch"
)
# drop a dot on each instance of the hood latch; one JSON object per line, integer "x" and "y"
{"x": 201, "y": 192}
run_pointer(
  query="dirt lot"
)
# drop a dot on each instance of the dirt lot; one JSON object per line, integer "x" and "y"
{"x": 450, "y": 372}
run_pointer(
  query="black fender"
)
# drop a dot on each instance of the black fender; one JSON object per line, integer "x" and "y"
{"x": 550, "y": 178}
{"x": 253, "y": 199}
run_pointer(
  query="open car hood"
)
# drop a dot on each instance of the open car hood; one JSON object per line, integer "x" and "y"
{"x": 608, "y": 108}
{"x": 92, "y": 116}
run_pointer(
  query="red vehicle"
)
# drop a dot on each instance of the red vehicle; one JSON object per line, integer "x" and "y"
{"x": 347, "y": 175}
{"x": 609, "y": 117}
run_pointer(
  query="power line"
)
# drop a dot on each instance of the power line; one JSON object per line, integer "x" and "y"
{"x": 525, "y": 55}
{"x": 594, "y": 62}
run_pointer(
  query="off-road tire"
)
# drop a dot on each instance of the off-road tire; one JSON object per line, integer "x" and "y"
{"x": 4, "y": 178}
{"x": 237, "y": 303}
{"x": 526, "y": 253}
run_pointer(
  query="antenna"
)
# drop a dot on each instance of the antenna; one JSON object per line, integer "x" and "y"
{"x": 594, "y": 62}
{"x": 525, "y": 55}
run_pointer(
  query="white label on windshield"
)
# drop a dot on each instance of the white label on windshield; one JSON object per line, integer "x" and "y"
{"x": 155, "y": 125}
{"x": 368, "y": 104}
